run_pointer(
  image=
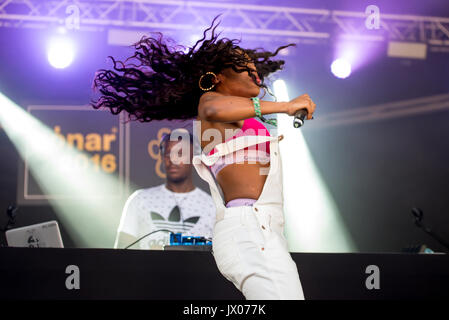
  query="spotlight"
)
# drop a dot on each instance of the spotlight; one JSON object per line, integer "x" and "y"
{"x": 341, "y": 68}
{"x": 60, "y": 52}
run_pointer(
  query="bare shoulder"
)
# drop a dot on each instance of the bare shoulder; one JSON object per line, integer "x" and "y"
{"x": 205, "y": 105}
{"x": 210, "y": 95}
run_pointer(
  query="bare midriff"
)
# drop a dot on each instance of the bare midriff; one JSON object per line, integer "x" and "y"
{"x": 237, "y": 180}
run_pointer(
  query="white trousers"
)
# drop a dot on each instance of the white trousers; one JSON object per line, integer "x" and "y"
{"x": 248, "y": 244}
{"x": 254, "y": 257}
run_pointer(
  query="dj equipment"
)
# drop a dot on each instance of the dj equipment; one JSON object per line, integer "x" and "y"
{"x": 177, "y": 239}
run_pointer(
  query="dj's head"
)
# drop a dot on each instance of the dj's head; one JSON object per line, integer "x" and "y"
{"x": 176, "y": 149}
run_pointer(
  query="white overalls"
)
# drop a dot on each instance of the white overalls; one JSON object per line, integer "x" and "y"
{"x": 248, "y": 242}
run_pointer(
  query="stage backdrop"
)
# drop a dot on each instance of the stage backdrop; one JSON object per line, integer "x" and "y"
{"x": 127, "y": 150}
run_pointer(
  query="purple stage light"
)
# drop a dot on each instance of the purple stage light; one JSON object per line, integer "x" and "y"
{"x": 341, "y": 68}
{"x": 60, "y": 52}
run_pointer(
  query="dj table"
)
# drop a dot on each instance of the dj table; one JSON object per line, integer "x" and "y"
{"x": 50, "y": 273}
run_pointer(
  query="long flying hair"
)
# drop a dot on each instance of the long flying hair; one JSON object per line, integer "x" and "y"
{"x": 164, "y": 82}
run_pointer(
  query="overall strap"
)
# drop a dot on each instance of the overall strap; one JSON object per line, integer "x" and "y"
{"x": 199, "y": 162}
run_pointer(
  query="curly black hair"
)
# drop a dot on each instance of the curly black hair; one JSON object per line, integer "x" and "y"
{"x": 164, "y": 83}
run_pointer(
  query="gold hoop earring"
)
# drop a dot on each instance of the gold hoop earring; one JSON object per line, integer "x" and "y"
{"x": 211, "y": 87}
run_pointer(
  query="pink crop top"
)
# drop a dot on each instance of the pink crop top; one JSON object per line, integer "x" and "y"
{"x": 253, "y": 153}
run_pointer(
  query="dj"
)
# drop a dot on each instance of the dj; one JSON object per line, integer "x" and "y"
{"x": 177, "y": 205}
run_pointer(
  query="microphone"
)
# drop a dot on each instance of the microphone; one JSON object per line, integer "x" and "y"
{"x": 299, "y": 117}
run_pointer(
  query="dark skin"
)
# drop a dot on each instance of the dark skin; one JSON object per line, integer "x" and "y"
{"x": 179, "y": 175}
{"x": 226, "y": 108}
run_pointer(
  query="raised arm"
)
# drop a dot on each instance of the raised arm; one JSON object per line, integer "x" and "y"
{"x": 220, "y": 108}
{"x": 216, "y": 107}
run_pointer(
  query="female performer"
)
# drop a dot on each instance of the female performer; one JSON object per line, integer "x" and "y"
{"x": 217, "y": 84}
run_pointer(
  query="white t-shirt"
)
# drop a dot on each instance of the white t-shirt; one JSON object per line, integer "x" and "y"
{"x": 154, "y": 208}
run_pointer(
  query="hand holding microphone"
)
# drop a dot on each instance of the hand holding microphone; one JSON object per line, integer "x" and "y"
{"x": 301, "y": 108}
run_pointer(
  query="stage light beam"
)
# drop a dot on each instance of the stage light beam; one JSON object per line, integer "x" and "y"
{"x": 91, "y": 217}
{"x": 313, "y": 222}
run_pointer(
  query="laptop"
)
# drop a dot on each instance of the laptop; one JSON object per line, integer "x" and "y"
{"x": 41, "y": 235}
